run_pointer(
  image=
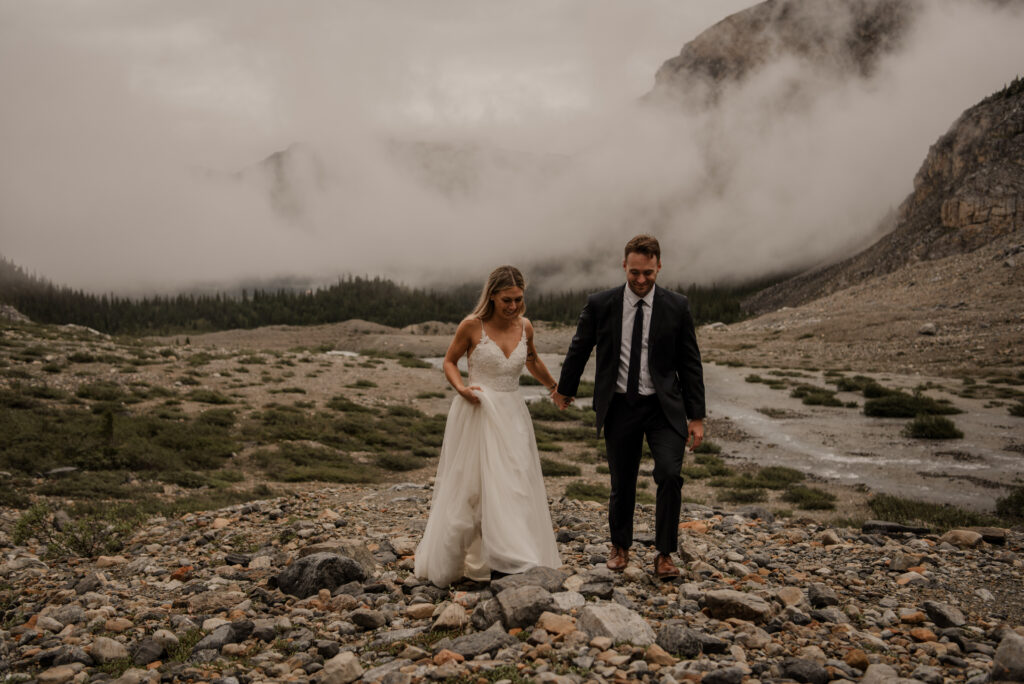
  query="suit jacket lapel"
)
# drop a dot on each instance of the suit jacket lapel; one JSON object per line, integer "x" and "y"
{"x": 616, "y": 322}
{"x": 658, "y": 318}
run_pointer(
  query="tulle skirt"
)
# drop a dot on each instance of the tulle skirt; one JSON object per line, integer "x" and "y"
{"x": 489, "y": 509}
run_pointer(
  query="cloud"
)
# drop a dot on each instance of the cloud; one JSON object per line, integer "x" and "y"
{"x": 450, "y": 136}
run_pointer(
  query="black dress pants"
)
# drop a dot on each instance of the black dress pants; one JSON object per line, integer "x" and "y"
{"x": 625, "y": 427}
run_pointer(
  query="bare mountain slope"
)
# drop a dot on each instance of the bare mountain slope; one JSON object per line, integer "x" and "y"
{"x": 843, "y": 37}
{"x": 968, "y": 192}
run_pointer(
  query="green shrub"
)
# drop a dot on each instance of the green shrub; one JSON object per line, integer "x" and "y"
{"x": 585, "y": 491}
{"x": 101, "y": 391}
{"x": 809, "y": 498}
{"x": 695, "y": 472}
{"x": 743, "y": 496}
{"x": 735, "y": 482}
{"x": 546, "y": 410}
{"x": 430, "y": 395}
{"x": 778, "y": 477}
{"x": 362, "y": 384}
{"x": 713, "y": 464}
{"x": 222, "y": 418}
{"x": 815, "y": 396}
{"x": 910, "y": 512}
{"x": 399, "y": 462}
{"x": 932, "y": 427}
{"x": 548, "y": 446}
{"x": 205, "y": 396}
{"x": 403, "y": 411}
{"x": 407, "y": 360}
{"x": 855, "y": 384}
{"x": 903, "y": 405}
{"x": 343, "y": 403}
{"x": 1017, "y": 409}
{"x": 708, "y": 447}
{"x": 97, "y": 531}
{"x": 1011, "y": 505}
{"x": 552, "y": 468}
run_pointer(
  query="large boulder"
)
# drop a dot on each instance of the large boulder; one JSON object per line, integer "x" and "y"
{"x": 308, "y": 575}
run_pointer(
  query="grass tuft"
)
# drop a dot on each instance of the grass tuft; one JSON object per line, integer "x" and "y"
{"x": 809, "y": 498}
{"x": 932, "y": 427}
{"x": 552, "y": 468}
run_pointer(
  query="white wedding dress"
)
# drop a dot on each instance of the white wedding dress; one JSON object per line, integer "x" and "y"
{"x": 490, "y": 509}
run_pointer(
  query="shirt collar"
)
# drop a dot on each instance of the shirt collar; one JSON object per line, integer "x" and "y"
{"x": 632, "y": 299}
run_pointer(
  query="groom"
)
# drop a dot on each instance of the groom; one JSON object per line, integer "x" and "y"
{"x": 649, "y": 382}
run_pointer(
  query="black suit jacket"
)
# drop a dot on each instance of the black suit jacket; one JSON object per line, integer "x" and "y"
{"x": 672, "y": 355}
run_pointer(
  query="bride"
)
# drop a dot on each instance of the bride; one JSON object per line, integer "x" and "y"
{"x": 489, "y": 516}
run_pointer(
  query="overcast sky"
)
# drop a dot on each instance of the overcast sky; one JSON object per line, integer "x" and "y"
{"x": 123, "y": 121}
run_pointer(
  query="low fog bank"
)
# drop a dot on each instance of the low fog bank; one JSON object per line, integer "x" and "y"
{"x": 429, "y": 145}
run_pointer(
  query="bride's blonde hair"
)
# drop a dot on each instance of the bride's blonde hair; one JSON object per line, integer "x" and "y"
{"x": 500, "y": 279}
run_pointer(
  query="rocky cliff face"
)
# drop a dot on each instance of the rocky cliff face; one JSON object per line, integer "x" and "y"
{"x": 968, "y": 193}
{"x": 840, "y": 36}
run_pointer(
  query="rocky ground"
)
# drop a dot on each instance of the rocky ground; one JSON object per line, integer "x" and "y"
{"x": 318, "y": 587}
{"x": 212, "y": 596}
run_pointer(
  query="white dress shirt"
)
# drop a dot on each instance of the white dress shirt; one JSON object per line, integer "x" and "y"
{"x": 629, "y": 301}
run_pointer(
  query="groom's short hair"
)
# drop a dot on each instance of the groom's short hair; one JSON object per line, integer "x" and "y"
{"x": 644, "y": 244}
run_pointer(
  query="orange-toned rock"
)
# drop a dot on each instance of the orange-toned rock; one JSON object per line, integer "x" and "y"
{"x": 857, "y": 658}
{"x": 446, "y": 656}
{"x": 183, "y": 573}
{"x": 656, "y": 655}
{"x": 694, "y": 526}
{"x": 914, "y": 618}
{"x": 923, "y": 634}
{"x": 556, "y": 624}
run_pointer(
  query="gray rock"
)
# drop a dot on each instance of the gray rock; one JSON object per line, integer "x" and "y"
{"x": 927, "y": 329}
{"x": 550, "y": 579}
{"x": 890, "y": 528}
{"x": 341, "y": 669}
{"x": 1008, "y": 661}
{"x": 90, "y": 582}
{"x": 105, "y": 650}
{"x": 378, "y": 674}
{"x": 68, "y": 655}
{"x": 725, "y": 675}
{"x": 368, "y": 619}
{"x": 523, "y": 605}
{"x": 726, "y": 603}
{"x": 264, "y": 630}
{"x": 147, "y": 651}
{"x": 928, "y": 675}
{"x": 821, "y": 595}
{"x": 830, "y": 615}
{"x": 231, "y": 633}
{"x": 806, "y": 671}
{"x": 395, "y": 636}
{"x": 71, "y": 614}
{"x": 487, "y": 641}
{"x": 600, "y": 588}
{"x": 615, "y": 622}
{"x": 879, "y": 673}
{"x": 944, "y": 615}
{"x": 308, "y": 575}
{"x": 679, "y": 640}
{"x": 486, "y": 614}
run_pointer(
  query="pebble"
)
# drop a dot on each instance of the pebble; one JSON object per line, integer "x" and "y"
{"x": 760, "y": 599}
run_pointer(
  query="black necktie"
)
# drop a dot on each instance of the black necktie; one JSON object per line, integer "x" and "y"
{"x": 636, "y": 346}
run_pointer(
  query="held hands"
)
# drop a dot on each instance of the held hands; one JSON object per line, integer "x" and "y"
{"x": 695, "y": 433}
{"x": 561, "y": 401}
{"x": 468, "y": 395}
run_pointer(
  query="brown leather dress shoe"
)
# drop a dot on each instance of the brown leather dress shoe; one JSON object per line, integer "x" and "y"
{"x": 618, "y": 559}
{"x": 665, "y": 568}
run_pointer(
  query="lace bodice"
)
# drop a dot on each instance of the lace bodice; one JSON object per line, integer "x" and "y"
{"x": 489, "y": 367}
